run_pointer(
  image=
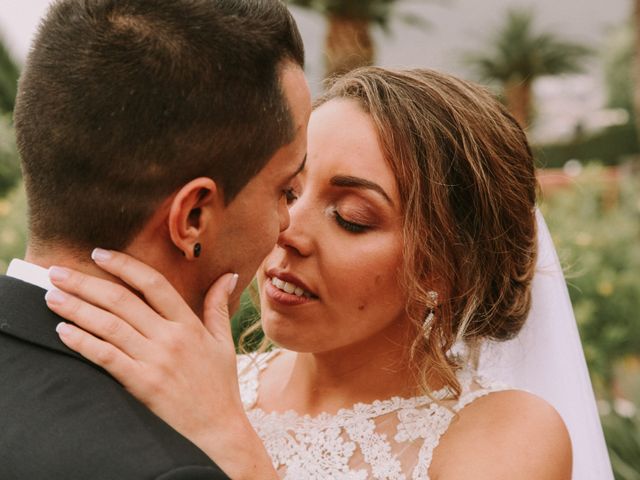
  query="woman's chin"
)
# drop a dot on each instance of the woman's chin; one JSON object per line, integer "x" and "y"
{"x": 295, "y": 338}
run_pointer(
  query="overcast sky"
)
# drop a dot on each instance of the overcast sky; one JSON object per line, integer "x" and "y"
{"x": 457, "y": 25}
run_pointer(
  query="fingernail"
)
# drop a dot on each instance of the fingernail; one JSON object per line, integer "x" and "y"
{"x": 58, "y": 273}
{"x": 100, "y": 255}
{"x": 63, "y": 329}
{"x": 55, "y": 297}
{"x": 233, "y": 282}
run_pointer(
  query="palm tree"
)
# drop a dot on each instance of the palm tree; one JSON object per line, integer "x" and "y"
{"x": 517, "y": 55}
{"x": 348, "y": 43}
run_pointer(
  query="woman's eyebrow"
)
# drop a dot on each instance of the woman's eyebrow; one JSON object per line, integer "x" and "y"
{"x": 357, "y": 182}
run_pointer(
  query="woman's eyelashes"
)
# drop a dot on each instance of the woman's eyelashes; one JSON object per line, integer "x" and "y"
{"x": 348, "y": 225}
{"x": 353, "y": 220}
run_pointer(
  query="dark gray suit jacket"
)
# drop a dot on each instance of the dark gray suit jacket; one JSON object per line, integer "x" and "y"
{"x": 62, "y": 417}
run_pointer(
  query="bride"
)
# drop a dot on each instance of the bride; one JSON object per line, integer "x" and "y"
{"x": 411, "y": 252}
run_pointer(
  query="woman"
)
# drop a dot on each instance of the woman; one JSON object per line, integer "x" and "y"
{"x": 412, "y": 231}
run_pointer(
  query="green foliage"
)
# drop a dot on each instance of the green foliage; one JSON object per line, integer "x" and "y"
{"x": 9, "y": 73}
{"x": 609, "y": 146}
{"x": 13, "y": 226}
{"x": 13, "y": 204}
{"x": 623, "y": 439}
{"x": 245, "y": 317}
{"x": 596, "y": 229}
{"x": 378, "y": 12}
{"x": 516, "y": 52}
{"x": 9, "y": 162}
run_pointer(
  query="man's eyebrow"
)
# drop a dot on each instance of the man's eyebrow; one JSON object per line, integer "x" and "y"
{"x": 357, "y": 182}
{"x": 301, "y": 167}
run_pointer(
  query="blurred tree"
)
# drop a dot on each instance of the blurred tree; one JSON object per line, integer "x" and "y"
{"x": 9, "y": 161}
{"x": 636, "y": 68}
{"x": 517, "y": 55}
{"x": 9, "y": 164}
{"x": 9, "y": 73}
{"x": 348, "y": 43}
{"x": 618, "y": 62}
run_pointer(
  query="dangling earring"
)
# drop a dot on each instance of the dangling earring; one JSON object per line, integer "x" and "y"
{"x": 428, "y": 321}
{"x": 197, "y": 250}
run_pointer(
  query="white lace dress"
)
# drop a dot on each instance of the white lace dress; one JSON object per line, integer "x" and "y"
{"x": 387, "y": 439}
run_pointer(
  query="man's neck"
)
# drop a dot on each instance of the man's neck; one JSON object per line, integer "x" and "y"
{"x": 65, "y": 258}
{"x": 83, "y": 263}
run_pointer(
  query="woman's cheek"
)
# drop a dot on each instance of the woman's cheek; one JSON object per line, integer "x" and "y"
{"x": 364, "y": 274}
{"x": 371, "y": 289}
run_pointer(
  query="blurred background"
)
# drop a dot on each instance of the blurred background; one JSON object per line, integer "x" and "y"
{"x": 568, "y": 70}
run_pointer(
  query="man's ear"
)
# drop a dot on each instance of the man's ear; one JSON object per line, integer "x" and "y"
{"x": 194, "y": 213}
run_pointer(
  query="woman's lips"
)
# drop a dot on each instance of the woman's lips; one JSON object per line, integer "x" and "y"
{"x": 282, "y": 297}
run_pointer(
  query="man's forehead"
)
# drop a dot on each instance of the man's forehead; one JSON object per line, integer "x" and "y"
{"x": 297, "y": 93}
{"x": 301, "y": 166}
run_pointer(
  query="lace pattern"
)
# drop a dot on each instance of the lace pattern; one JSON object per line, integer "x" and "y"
{"x": 385, "y": 440}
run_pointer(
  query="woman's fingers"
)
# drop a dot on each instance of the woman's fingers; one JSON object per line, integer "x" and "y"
{"x": 116, "y": 362}
{"x": 98, "y": 323}
{"x": 216, "y": 306}
{"x": 155, "y": 288}
{"x": 107, "y": 295}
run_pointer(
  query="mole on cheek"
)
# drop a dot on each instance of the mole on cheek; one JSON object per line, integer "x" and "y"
{"x": 362, "y": 306}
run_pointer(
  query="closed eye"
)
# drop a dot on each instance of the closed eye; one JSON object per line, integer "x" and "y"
{"x": 350, "y": 226}
{"x": 290, "y": 195}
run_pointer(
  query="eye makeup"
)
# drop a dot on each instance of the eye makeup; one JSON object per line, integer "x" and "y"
{"x": 358, "y": 214}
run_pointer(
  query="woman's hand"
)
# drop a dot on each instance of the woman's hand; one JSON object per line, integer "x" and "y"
{"x": 160, "y": 351}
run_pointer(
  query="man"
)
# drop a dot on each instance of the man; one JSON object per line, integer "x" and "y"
{"x": 169, "y": 129}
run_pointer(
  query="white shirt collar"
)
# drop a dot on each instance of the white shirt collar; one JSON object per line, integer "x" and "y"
{"x": 30, "y": 273}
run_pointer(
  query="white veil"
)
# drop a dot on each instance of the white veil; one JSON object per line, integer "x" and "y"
{"x": 546, "y": 358}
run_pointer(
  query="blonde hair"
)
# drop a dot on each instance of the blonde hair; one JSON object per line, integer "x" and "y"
{"x": 467, "y": 185}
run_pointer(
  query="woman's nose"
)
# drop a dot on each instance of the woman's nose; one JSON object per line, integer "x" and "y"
{"x": 297, "y": 234}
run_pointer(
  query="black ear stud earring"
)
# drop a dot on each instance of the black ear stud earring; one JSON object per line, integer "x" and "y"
{"x": 197, "y": 250}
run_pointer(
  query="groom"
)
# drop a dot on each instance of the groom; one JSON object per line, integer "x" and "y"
{"x": 168, "y": 129}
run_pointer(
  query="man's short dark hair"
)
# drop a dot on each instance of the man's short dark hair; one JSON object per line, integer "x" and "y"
{"x": 121, "y": 102}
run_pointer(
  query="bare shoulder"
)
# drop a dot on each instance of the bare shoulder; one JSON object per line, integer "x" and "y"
{"x": 505, "y": 435}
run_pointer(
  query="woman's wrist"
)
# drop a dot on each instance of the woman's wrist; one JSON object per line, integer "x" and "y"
{"x": 238, "y": 451}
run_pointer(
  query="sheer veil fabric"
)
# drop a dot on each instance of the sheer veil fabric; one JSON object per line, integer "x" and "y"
{"x": 547, "y": 359}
